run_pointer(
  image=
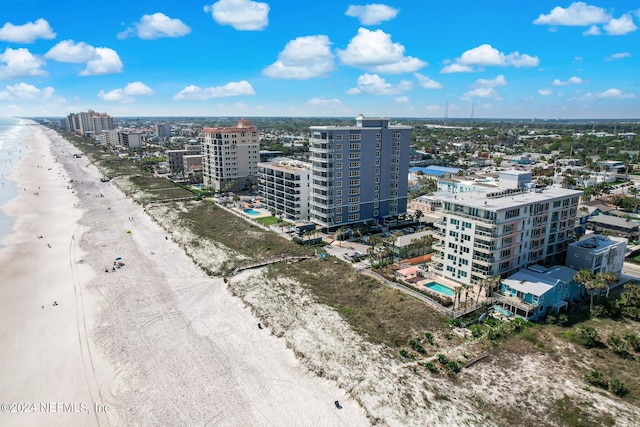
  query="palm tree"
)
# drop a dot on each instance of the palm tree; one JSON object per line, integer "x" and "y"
{"x": 586, "y": 278}
{"x": 419, "y": 214}
{"x": 607, "y": 279}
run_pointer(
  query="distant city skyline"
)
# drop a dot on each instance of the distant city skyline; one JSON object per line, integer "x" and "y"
{"x": 544, "y": 59}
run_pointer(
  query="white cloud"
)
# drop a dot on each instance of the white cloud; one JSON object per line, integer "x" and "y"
{"x": 196, "y": 93}
{"x": 25, "y": 92}
{"x": 373, "y": 84}
{"x": 545, "y": 92}
{"x": 582, "y": 14}
{"x": 487, "y": 55}
{"x": 107, "y": 62}
{"x": 594, "y": 30}
{"x": 325, "y": 102}
{"x": 156, "y": 26}
{"x": 426, "y": 82}
{"x": 498, "y": 81}
{"x": 26, "y": 33}
{"x": 456, "y": 68}
{"x": 577, "y": 14}
{"x": 127, "y": 93}
{"x": 303, "y": 58}
{"x": 374, "y": 51}
{"x": 615, "y": 93}
{"x": 99, "y": 60}
{"x": 20, "y": 63}
{"x": 244, "y": 15}
{"x": 481, "y": 92}
{"x": 402, "y": 100}
{"x": 572, "y": 81}
{"x": 69, "y": 51}
{"x": 620, "y": 26}
{"x": 619, "y": 55}
{"x": 372, "y": 14}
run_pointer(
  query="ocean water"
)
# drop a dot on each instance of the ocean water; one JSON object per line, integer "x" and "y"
{"x": 12, "y": 148}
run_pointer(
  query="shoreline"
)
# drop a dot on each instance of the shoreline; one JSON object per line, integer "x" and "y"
{"x": 157, "y": 340}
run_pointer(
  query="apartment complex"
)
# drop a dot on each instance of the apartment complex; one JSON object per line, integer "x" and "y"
{"x": 358, "y": 172}
{"x": 176, "y": 157}
{"x": 490, "y": 232}
{"x": 230, "y": 156}
{"x": 89, "y": 123}
{"x": 284, "y": 187}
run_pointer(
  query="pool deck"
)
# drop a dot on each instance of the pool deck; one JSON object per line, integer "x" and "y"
{"x": 262, "y": 214}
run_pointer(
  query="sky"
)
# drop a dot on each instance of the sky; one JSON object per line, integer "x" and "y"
{"x": 424, "y": 59}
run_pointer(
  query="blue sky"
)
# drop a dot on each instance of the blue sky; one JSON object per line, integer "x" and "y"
{"x": 493, "y": 59}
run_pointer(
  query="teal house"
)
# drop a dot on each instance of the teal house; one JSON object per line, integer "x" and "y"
{"x": 533, "y": 292}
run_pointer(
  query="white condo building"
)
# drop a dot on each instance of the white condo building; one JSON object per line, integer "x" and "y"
{"x": 490, "y": 232}
{"x": 284, "y": 187}
{"x": 358, "y": 172}
{"x": 230, "y": 156}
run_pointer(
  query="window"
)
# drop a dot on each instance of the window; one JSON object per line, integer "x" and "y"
{"x": 508, "y": 228}
{"x": 338, "y": 156}
{"x": 353, "y": 137}
{"x": 377, "y": 145}
{"x": 338, "y": 174}
{"x": 378, "y": 136}
{"x": 338, "y": 193}
{"x": 512, "y": 213}
{"x": 355, "y": 208}
{"x": 338, "y": 165}
{"x": 354, "y": 173}
{"x": 354, "y": 217}
{"x": 355, "y": 155}
{"x": 376, "y": 212}
{"x": 338, "y": 210}
{"x": 354, "y": 164}
{"x": 339, "y": 146}
{"x": 354, "y": 182}
{"x": 377, "y": 162}
{"x": 377, "y": 154}
{"x": 339, "y": 138}
{"x": 376, "y": 188}
{"x": 353, "y": 191}
{"x": 339, "y": 183}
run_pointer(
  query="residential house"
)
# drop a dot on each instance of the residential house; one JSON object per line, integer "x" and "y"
{"x": 533, "y": 292}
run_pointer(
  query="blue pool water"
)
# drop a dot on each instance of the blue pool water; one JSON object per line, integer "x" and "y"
{"x": 251, "y": 212}
{"x": 437, "y": 287}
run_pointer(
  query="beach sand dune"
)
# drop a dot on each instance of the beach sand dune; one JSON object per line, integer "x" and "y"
{"x": 155, "y": 342}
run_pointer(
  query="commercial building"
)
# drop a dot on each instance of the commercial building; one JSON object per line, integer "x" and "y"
{"x": 600, "y": 254}
{"x": 359, "y": 172}
{"x": 284, "y": 187}
{"x": 230, "y": 156}
{"x": 131, "y": 140}
{"x": 490, "y": 232}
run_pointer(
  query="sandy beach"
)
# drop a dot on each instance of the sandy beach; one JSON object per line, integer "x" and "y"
{"x": 154, "y": 342}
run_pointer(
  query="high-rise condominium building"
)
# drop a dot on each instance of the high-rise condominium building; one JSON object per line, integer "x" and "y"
{"x": 490, "y": 232}
{"x": 230, "y": 156}
{"x": 358, "y": 172}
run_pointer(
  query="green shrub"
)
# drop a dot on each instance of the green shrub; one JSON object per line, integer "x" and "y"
{"x": 442, "y": 359}
{"x": 595, "y": 378}
{"x": 617, "y": 387}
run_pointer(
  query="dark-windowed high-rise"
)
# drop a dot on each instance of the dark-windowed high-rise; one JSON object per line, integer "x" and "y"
{"x": 358, "y": 172}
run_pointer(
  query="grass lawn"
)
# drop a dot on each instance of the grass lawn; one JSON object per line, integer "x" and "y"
{"x": 267, "y": 220}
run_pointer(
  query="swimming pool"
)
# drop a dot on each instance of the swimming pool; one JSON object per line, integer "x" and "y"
{"x": 440, "y": 288}
{"x": 250, "y": 211}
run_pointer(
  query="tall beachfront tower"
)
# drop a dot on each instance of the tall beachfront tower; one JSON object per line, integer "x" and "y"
{"x": 498, "y": 231}
{"x": 358, "y": 172}
{"x": 230, "y": 156}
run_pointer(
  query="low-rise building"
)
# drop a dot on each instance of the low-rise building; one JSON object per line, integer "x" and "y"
{"x": 600, "y": 254}
{"x": 533, "y": 292}
{"x": 620, "y": 227}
